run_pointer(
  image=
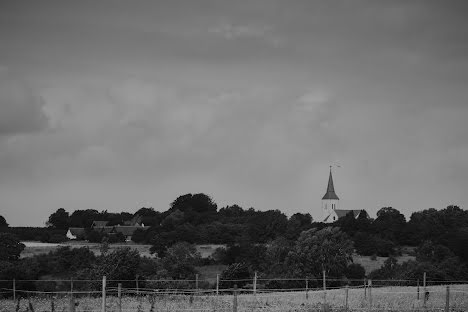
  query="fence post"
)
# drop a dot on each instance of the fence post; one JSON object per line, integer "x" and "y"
{"x": 324, "y": 291}
{"x": 447, "y": 299}
{"x": 424, "y": 289}
{"x": 72, "y": 301}
{"x": 103, "y": 305}
{"x": 217, "y": 284}
{"x": 14, "y": 289}
{"x": 255, "y": 283}
{"x": 136, "y": 282}
{"x": 119, "y": 295}
{"x": 307, "y": 289}
{"x": 346, "y": 298}
{"x": 234, "y": 300}
{"x": 196, "y": 283}
{"x": 71, "y": 307}
{"x": 418, "y": 291}
{"x": 365, "y": 289}
{"x": 370, "y": 294}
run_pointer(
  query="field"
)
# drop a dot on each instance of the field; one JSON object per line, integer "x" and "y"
{"x": 380, "y": 299}
{"x": 35, "y": 248}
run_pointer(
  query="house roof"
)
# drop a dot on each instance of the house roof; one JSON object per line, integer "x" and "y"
{"x": 343, "y": 212}
{"x": 128, "y": 230}
{"x": 330, "y": 194}
{"x": 76, "y": 231}
{"x": 99, "y": 223}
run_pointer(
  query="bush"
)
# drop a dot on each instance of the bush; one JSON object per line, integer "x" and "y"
{"x": 235, "y": 274}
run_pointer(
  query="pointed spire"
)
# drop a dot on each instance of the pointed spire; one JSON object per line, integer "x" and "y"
{"x": 330, "y": 194}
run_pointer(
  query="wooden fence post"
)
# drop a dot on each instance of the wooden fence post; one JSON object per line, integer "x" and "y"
{"x": 217, "y": 284}
{"x": 119, "y": 295}
{"x": 365, "y": 289}
{"x": 103, "y": 304}
{"x": 255, "y": 283}
{"x": 234, "y": 300}
{"x": 324, "y": 291}
{"x": 417, "y": 296}
{"x": 424, "y": 289}
{"x": 71, "y": 307}
{"x": 14, "y": 289}
{"x": 137, "y": 286}
{"x": 447, "y": 299}
{"x": 72, "y": 300}
{"x": 196, "y": 283}
{"x": 307, "y": 289}
{"x": 370, "y": 294}
{"x": 346, "y": 298}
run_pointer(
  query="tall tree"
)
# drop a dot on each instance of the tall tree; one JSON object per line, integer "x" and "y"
{"x": 59, "y": 219}
{"x": 328, "y": 249}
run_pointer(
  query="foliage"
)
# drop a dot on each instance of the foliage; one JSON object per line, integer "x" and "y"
{"x": 276, "y": 254}
{"x": 390, "y": 224}
{"x": 10, "y": 247}
{"x": 355, "y": 271}
{"x": 180, "y": 260}
{"x": 120, "y": 264}
{"x": 328, "y": 249}
{"x": 59, "y": 219}
{"x": 235, "y": 274}
{"x": 368, "y": 244}
{"x": 3, "y": 222}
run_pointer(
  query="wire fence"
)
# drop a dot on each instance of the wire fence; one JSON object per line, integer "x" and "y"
{"x": 290, "y": 294}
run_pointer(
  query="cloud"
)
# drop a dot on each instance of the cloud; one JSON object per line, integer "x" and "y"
{"x": 21, "y": 109}
{"x": 231, "y": 31}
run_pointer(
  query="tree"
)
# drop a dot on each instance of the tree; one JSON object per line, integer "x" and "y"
{"x": 10, "y": 247}
{"x": 180, "y": 260}
{"x": 355, "y": 271}
{"x": 296, "y": 224}
{"x": 390, "y": 224}
{"x": 59, "y": 219}
{"x": 121, "y": 264}
{"x": 3, "y": 222}
{"x": 275, "y": 256}
{"x": 235, "y": 274}
{"x": 328, "y": 249}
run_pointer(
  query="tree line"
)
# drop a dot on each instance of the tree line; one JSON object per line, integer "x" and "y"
{"x": 274, "y": 245}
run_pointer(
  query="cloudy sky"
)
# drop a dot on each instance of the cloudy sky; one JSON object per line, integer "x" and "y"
{"x": 115, "y": 105}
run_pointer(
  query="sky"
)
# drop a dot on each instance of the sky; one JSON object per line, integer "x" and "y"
{"x": 115, "y": 105}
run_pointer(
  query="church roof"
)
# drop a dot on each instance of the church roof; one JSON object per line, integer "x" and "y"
{"x": 330, "y": 194}
{"x": 343, "y": 212}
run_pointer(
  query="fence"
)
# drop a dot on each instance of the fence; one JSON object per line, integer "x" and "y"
{"x": 198, "y": 295}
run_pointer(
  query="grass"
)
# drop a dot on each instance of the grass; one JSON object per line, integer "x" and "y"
{"x": 383, "y": 299}
{"x": 371, "y": 265}
{"x": 30, "y": 251}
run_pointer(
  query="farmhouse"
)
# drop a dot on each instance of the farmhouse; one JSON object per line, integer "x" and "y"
{"x": 330, "y": 204}
{"x": 127, "y": 229}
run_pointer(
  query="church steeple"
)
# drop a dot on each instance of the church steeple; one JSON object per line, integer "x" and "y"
{"x": 330, "y": 194}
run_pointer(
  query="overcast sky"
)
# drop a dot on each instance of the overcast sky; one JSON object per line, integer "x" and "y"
{"x": 115, "y": 105}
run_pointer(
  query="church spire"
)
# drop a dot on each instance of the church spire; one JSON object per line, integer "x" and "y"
{"x": 330, "y": 194}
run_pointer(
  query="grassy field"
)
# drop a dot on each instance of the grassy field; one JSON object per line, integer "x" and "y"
{"x": 371, "y": 265}
{"x": 37, "y": 248}
{"x": 383, "y": 299}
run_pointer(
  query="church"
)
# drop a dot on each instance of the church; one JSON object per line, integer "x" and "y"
{"x": 330, "y": 204}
